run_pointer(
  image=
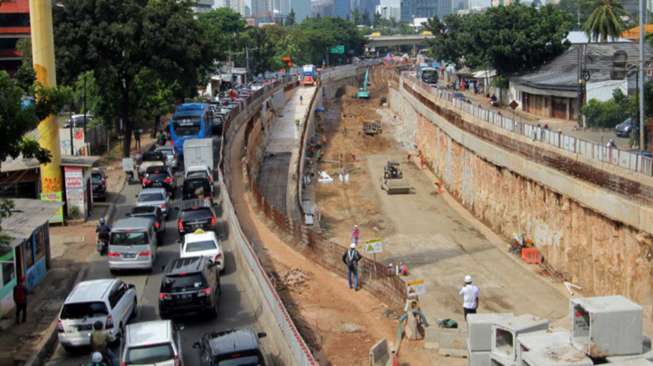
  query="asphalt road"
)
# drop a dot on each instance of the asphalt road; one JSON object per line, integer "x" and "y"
{"x": 235, "y": 309}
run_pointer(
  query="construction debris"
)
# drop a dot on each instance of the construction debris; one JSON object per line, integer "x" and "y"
{"x": 372, "y": 128}
{"x": 293, "y": 279}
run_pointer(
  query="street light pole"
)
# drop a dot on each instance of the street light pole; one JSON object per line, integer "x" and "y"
{"x": 642, "y": 14}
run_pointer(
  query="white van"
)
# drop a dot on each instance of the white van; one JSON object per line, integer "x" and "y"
{"x": 132, "y": 244}
{"x": 110, "y": 301}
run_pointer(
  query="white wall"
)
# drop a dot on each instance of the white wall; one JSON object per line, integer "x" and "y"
{"x": 602, "y": 90}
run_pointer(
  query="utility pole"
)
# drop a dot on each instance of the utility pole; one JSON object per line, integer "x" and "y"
{"x": 579, "y": 86}
{"x": 642, "y": 14}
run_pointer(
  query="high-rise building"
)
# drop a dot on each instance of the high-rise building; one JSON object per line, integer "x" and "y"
{"x": 342, "y": 8}
{"x": 262, "y": 9}
{"x": 14, "y": 25}
{"x": 203, "y": 5}
{"x": 302, "y": 9}
{"x": 388, "y": 11}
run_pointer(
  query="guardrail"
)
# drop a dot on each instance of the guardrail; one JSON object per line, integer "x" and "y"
{"x": 262, "y": 287}
{"x": 589, "y": 150}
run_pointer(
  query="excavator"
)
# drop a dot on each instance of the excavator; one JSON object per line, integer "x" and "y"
{"x": 363, "y": 93}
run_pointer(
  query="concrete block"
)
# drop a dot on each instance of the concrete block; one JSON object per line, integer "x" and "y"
{"x": 606, "y": 326}
{"x": 549, "y": 348}
{"x": 379, "y": 353}
{"x": 505, "y": 333}
{"x": 479, "y": 358}
{"x": 497, "y": 359}
{"x": 647, "y": 353}
{"x": 480, "y": 330}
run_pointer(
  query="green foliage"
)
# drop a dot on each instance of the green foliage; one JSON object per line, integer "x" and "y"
{"x": 290, "y": 20}
{"x": 221, "y": 27}
{"x": 603, "y": 114}
{"x": 572, "y": 7}
{"x": 605, "y": 21}
{"x": 129, "y": 44}
{"x": 510, "y": 39}
{"x": 25, "y": 75}
{"x": 17, "y": 121}
{"x": 311, "y": 39}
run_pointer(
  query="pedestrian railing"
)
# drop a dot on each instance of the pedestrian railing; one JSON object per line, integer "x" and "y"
{"x": 632, "y": 161}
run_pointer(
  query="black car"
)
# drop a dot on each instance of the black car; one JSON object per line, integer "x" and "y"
{"x": 197, "y": 186}
{"x": 151, "y": 212}
{"x": 160, "y": 177}
{"x": 194, "y": 215}
{"x": 232, "y": 347}
{"x": 189, "y": 286}
{"x": 625, "y": 128}
{"x": 99, "y": 183}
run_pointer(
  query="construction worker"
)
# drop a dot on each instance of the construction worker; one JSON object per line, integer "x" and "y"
{"x": 355, "y": 234}
{"x": 470, "y": 294}
{"x": 413, "y": 320}
{"x": 351, "y": 258}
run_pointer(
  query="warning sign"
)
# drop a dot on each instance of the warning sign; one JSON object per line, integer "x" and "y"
{"x": 415, "y": 287}
{"x": 374, "y": 246}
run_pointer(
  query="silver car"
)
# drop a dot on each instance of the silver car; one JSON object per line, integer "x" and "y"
{"x": 155, "y": 343}
{"x": 157, "y": 197}
{"x": 133, "y": 244}
{"x": 170, "y": 154}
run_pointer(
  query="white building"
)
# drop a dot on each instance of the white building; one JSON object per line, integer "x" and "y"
{"x": 388, "y": 10}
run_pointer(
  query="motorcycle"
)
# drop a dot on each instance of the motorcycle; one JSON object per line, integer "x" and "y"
{"x": 102, "y": 246}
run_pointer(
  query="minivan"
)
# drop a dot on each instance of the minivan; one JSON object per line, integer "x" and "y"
{"x": 109, "y": 301}
{"x": 152, "y": 343}
{"x": 132, "y": 244}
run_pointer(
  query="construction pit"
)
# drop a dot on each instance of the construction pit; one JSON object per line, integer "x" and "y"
{"x": 424, "y": 228}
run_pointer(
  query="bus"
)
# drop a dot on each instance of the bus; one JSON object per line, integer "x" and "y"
{"x": 427, "y": 74}
{"x": 310, "y": 75}
{"x": 190, "y": 121}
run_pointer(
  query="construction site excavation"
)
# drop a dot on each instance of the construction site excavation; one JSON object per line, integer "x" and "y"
{"x": 354, "y": 165}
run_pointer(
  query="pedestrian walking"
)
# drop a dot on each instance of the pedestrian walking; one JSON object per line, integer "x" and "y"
{"x": 20, "y": 299}
{"x": 355, "y": 235}
{"x": 351, "y": 258}
{"x": 137, "y": 138}
{"x": 470, "y": 294}
{"x": 301, "y": 99}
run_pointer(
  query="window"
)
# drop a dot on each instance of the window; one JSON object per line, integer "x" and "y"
{"x": 116, "y": 295}
{"x": 82, "y": 310}
{"x": 200, "y": 246}
{"x": 28, "y": 258}
{"x": 41, "y": 237}
{"x": 150, "y": 354}
{"x": 8, "y": 272}
{"x": 180, "y": 283}
{"x": 133, "y": 238}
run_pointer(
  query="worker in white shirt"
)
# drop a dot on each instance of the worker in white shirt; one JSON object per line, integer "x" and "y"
{"x": 470, "y": 294}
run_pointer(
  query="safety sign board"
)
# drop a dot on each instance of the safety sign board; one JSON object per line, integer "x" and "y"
{"x": 374, "y": 246}
{"x": 416, "y": 287}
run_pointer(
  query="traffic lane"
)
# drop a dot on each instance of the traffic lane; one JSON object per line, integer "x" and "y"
{"x": 235, "y": 309}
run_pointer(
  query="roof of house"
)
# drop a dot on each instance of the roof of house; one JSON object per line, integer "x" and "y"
{"x": 26, "y": 216}
{"x": 561, "y": 74}
{"x": 633, "y": 33}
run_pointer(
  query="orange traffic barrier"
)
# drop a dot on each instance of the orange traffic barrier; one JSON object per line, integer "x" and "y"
{"x": 531, "y": 255}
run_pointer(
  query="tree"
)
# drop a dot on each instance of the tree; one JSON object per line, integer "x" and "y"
{"x": 17, "y": 118}
{"x": 311, "y": 40}
{"x": 290, "y": 20}
{"x": 127, "y": 42}
{"x": 222, "y": 27}
{"x": 356, "y": 17}
{"x": 510, "y": 39}
{"x": 25, "y": 75}
{"x": 605, "y": 22}
{"x": 579, "y": 10}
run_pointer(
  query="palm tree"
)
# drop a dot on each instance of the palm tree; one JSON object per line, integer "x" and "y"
{"x": 605, "y": 22}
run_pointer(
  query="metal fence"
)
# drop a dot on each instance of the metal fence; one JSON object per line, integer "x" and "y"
{"x": 588, "y": 150}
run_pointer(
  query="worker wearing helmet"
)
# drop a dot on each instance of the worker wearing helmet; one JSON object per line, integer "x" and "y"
{"x": 97, "y": 359}
{"x": 470, "y": 294}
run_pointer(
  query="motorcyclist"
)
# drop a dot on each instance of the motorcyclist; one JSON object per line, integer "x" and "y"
{"x": 100, "y": 342}
{"x": 97, "y": 359}
{"x": 103, "y": 231}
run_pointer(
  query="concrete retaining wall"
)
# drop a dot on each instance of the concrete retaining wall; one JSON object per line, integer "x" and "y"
{"x": 595, "y": 237}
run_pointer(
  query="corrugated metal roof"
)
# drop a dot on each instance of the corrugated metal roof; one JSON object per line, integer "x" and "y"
{"x": 562, "y": 72}
{"x": 26, "y": 217}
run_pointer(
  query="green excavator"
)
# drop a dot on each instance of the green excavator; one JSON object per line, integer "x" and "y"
{"x": 363, "y": 93}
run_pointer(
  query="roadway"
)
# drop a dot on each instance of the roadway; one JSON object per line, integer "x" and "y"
{"x": 235, "y": 308}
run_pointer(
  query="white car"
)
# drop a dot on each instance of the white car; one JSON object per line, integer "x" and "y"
{"x": 203, "y": 244}
{"x": 110, "y": 301}
{"x": 155, "y": 343}
{"x": 193, "y": 169}
{"x": 156, "y": 197}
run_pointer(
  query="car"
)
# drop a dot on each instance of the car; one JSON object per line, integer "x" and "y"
{"x": 189, "y": 286}
{"x": 170, "y": 154}
{"x": 195, "y": 214}
{"x": 157, "y": 197}
{"x": 109, "y": 301}
{"x": 197, "y": 187}
{"x": 231, "y": 347}
{"x": 160, "y": 176}
{"x": 152, "y": 212}
{"x": 202, "y": 243}
{"x": 151, "y": 158}
{"x": 194, "y": 169}
{"x": 155, "y": 342}
{"x": 99, "y": 184}
{"x": 625, "y": 128}
{"x": 133, "y": 244}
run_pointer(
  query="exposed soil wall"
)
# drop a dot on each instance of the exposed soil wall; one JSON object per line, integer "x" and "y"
{"x": 602, "y": 255}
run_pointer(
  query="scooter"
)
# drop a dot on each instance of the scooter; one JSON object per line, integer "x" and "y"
{"x": 102, "y": 246}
